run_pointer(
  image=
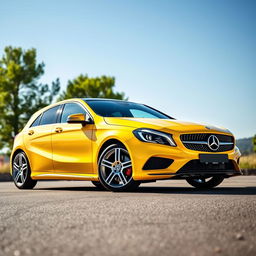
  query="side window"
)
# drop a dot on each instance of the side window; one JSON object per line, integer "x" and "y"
{"x": 69, "y": 109}
{"x": 49, "y": 116}
{"x": 36, "y": 122}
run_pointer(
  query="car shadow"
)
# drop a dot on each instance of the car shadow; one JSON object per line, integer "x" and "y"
{"x": 213, "y": 191}
{"x": 169, "y": 190}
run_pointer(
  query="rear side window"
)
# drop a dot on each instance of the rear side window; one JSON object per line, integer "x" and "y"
{"x": 49, "y": 116}
{"x": 36, "y": 122}
{"x": 70, "y": 109}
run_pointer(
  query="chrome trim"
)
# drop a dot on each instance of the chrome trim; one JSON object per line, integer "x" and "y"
{"x": 213, "y": 141}
{"x": 205, "y": 143}
{"x": 196, "y": 142}
{"x": 226, "y": 143}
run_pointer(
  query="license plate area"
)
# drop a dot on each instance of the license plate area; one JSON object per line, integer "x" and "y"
{"x": 213, "y": 158}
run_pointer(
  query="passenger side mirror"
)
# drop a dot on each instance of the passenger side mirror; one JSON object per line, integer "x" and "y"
{"x": 79, "y": 118}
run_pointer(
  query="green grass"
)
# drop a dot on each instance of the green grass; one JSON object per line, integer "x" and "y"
{"x": 248, "y": 162}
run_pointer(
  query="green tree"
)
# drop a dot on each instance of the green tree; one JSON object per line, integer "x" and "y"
{"x": 86, "y": 87}
{"x": 20, "y": 92}
{"x": 254, "y": 143}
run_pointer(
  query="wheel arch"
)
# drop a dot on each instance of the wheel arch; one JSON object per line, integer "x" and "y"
{"x": 107, "y": 143}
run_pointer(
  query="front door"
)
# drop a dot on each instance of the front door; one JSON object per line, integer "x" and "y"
{"x": 72, "y": 143}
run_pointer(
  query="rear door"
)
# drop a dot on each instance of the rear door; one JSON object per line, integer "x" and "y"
{"x": 38, "y": 143}
{"x": 72, "y": 143}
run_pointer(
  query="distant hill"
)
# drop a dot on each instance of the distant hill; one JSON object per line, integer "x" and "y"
{"x": 245, "y": 145}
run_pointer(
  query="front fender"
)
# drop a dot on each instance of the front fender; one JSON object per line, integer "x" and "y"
{"x": 123, "y": 135}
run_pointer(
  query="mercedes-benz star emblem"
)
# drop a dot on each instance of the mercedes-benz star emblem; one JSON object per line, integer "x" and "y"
{"x": 213, "y": 143}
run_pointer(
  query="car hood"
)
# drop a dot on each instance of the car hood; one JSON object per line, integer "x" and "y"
{"x": 167, "y": 125}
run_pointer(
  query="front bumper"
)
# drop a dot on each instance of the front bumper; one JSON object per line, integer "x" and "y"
{"x": 140, "y": 152}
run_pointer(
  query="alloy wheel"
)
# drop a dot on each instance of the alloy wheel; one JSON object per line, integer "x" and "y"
{"x": 116, "y": 167}
{"x": 20, "y": 169}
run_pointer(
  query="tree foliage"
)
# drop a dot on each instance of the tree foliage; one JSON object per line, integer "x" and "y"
{"x": 86, "y": 87}
{"x": 254, "y": 143}
{"x": 20, "y": 92}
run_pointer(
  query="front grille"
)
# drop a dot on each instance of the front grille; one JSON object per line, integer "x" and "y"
{"x": 199, "y": 142}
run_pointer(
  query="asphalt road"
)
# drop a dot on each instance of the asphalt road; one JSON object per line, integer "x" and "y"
{"x": 163, "y": 218}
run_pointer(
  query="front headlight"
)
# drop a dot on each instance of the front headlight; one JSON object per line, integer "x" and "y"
{"x": 153, "y": 136}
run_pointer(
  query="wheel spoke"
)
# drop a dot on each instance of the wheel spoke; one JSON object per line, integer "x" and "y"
{"x": 110, "y": 177}
{"x": 16, "y": 167}
{"x": 20, "y": 160}
{"x": 16, "y": 178}
{"x": 22, "y": 177}
{"x": 24, "y": 167}
{"x": 127, "y": 164}
{"x": 122, "y": 178}
{"x": 117, "y": 154}
{"x": 106, "y": 163}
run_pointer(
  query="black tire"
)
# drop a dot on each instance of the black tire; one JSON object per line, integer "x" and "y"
{"x": 98, "y": 185}
{"x": 21, "y": 172}
{"x": 120, "y": 172}
{"x": 200, "y": 182}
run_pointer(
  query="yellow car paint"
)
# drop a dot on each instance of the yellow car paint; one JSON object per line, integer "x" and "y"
{"x": 73, "y": 153}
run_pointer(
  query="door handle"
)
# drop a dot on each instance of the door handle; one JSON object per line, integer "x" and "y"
{"x": 58, "y": 129}
{"x": 31, "y": 132}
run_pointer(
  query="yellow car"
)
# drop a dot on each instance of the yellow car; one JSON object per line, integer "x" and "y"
{"x": 118, "y": 145}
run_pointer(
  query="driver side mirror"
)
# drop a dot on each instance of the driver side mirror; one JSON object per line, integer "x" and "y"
{"x": 79, "y": 118}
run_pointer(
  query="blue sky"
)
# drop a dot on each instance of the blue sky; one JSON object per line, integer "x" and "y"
{"x": 195, "y": 60}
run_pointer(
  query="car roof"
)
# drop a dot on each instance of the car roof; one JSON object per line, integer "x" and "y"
{"x": 105, "y": 99}
{"x": 100, "y": 99}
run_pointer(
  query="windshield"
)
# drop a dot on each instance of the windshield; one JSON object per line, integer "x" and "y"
{"x": 108, "y": 108}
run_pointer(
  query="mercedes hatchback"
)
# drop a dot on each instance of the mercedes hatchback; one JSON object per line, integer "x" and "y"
{"x": 118, "y": 145}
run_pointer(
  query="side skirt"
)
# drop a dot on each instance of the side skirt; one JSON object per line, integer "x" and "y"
{"x": 62, "y": 176}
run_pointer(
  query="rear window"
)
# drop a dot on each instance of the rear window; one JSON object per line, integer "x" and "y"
{"x": 49, "y": 116}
